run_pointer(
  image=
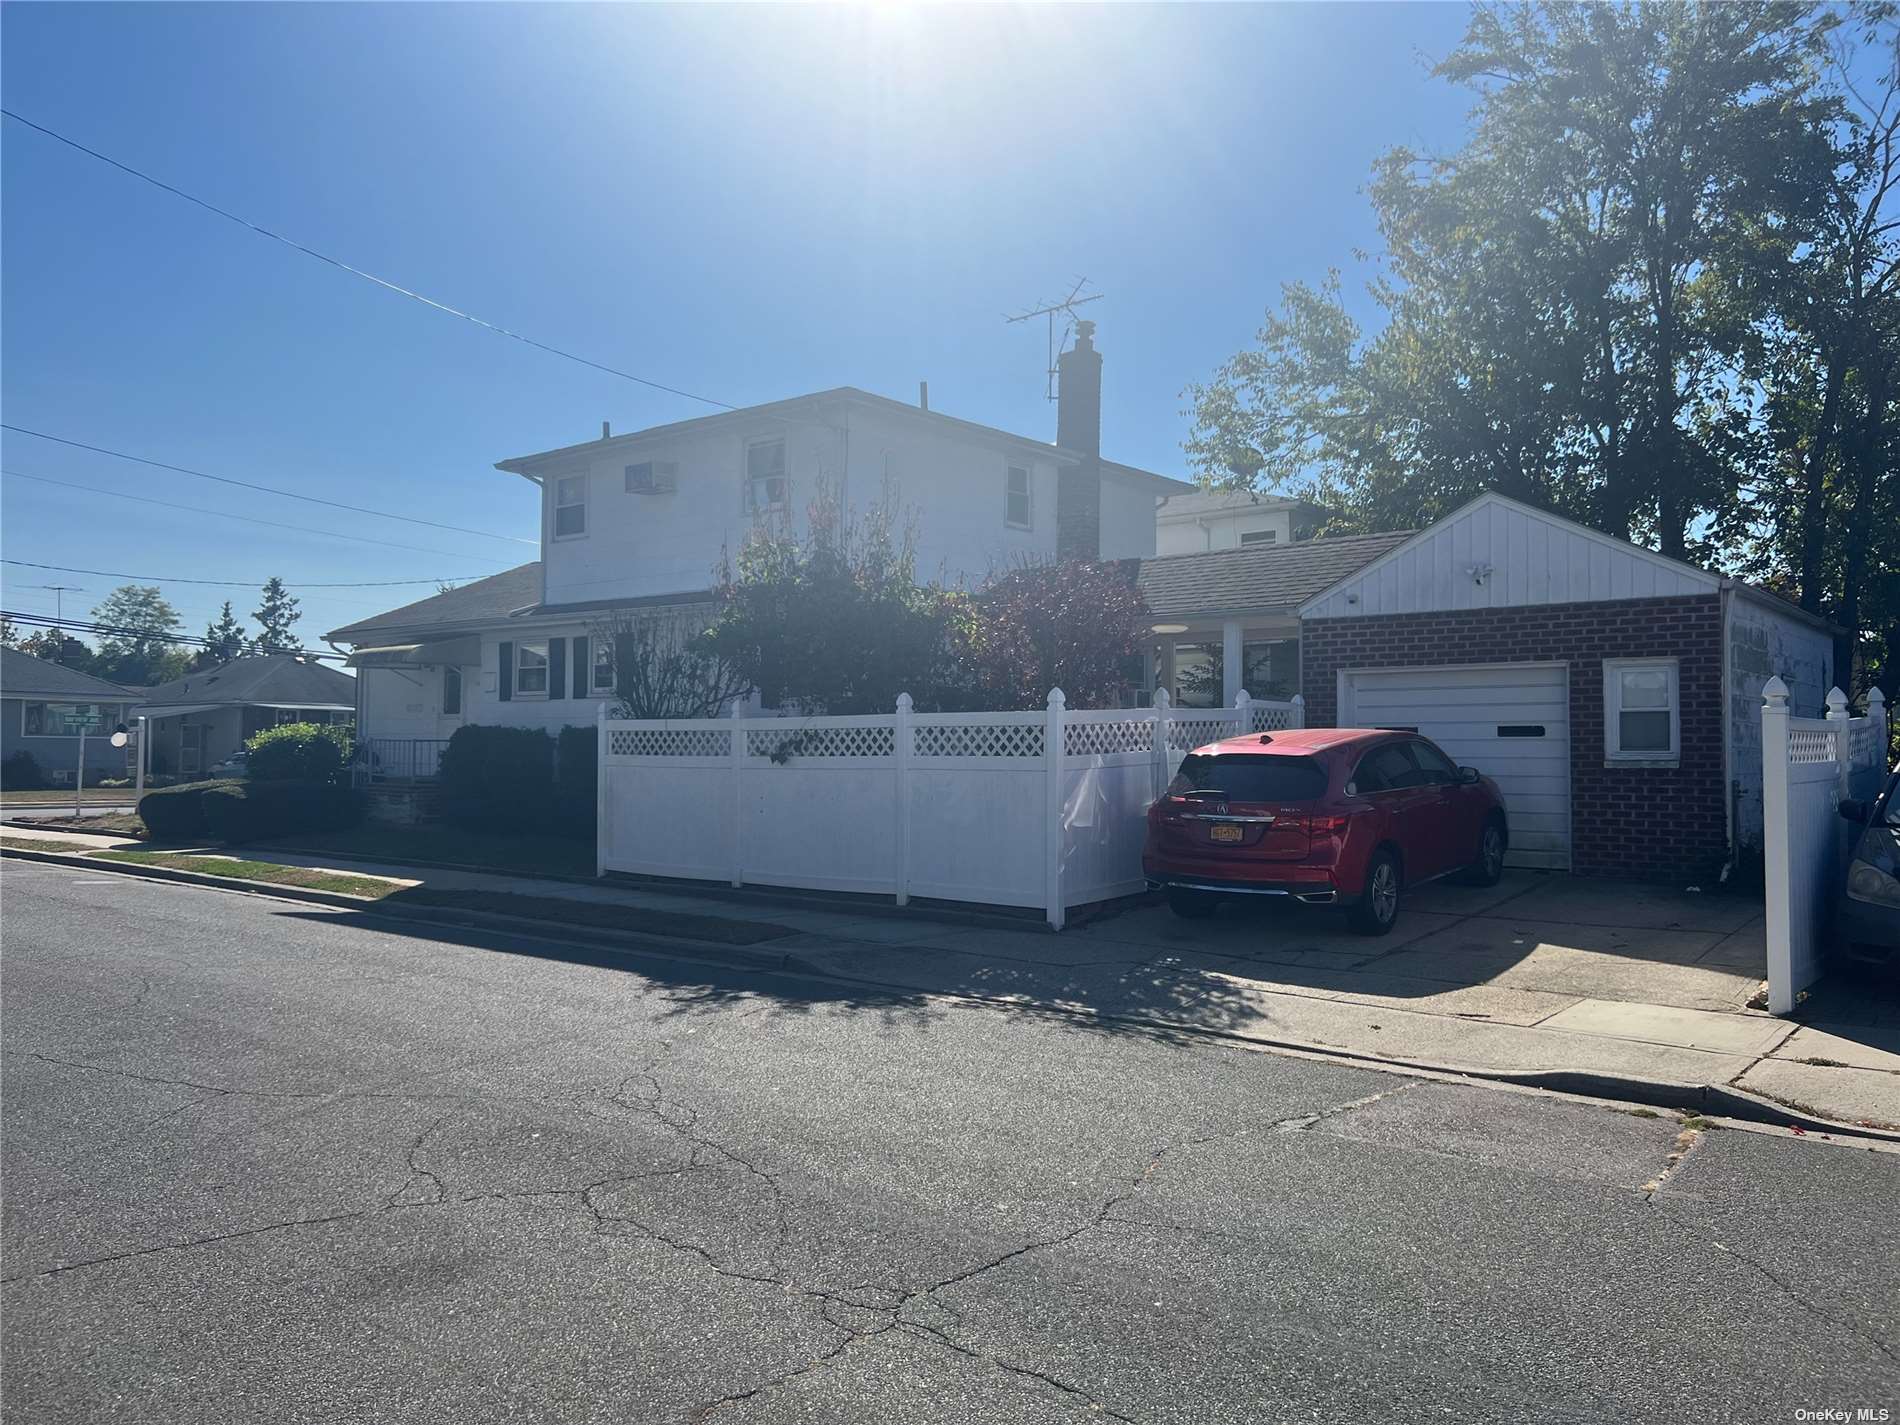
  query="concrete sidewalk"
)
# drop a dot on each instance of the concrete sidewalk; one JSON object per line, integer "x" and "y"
{"x": 1540, "y": 975}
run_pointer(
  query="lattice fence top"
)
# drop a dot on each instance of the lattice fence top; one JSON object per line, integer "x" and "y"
{"x": 1087, "y": 739}
{"x": 669, "y": 742}
{"x": 1861, "y": 740}
{"x": 868, "y": 743}
{"x": 977, "y": 739}
{"x": 1271, "y": 717}
{"x": 1187, "y": 733}
{"x": 1808, "y": 745}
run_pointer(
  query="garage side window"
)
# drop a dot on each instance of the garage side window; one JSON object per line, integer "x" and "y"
{"x": 1642, "y": 712}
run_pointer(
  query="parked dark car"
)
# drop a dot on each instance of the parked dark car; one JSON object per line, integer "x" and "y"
{"x": 1327, "y": 816}
{"x": 1867, "y": 912}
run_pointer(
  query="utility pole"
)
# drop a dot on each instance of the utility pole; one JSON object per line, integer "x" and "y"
{"x": 1057, "y": 340}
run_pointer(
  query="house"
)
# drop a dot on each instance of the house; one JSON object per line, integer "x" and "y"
{"x": 42, "y": 704}
{"x": 200, "y": 719}
{"x": 1614, "y": 694}
{"x": 638, "y": 525}
{"x": 1232, "y": 519}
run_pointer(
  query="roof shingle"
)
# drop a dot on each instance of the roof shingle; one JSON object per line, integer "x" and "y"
{"x": 1269, "y": 576}
{"x": 488, "y": 600}
{"x": 23, "y": 675}
{"x": 259, "y": 678}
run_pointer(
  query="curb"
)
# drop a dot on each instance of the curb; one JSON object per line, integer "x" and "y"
{"x": 628, "y": 941}
{"x": 1714, "y": 1100}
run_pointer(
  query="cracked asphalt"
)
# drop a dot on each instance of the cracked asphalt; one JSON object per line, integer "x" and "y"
{"x": 270, "y": 1162}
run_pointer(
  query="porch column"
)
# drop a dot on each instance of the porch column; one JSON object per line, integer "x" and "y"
{"x": 1229, "y": 662}
{"x": 1167, "y": 662}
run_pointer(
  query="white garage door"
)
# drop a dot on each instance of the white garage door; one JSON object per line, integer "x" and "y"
{"x": 1511, "y": 722}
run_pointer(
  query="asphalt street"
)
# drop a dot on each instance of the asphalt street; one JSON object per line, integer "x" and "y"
{"x": 269, "y": 1162}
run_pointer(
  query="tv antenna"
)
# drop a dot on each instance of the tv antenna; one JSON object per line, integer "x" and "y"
{"x": 60, "y": 591}
{"x": 1066, "y": 307}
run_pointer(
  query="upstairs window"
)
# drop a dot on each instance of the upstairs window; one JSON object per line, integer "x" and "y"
{"x": 1016, "y": 510}
{"x": 766, "y": 486}
{"x": 531, "y": 670}
{"x": 1642, "y": 714}
{"x": 570, "y": 506}
{"x": 1259, "y": 536}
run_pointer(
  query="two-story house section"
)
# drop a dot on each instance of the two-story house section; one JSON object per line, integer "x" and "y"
{"x": 643, "y": 522}
{"x": 1196, "y": 522}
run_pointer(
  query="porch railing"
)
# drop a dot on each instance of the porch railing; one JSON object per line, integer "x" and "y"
{"x": 379, "y": 760}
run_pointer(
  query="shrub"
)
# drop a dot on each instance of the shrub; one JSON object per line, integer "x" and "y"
{"x": 298, "y": 752}
{"x": 499, "y": 779}
{"x": 576, "y": 781}
{"x": 177, "y": 813}
{"x": 20, "y": 772}
{"x": 251, "y": 811}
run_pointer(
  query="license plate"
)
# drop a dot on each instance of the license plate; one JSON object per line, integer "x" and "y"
{"x": 1221, "y": 831}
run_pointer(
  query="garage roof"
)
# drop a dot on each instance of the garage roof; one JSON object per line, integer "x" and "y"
{"x": 1257, "y": 577}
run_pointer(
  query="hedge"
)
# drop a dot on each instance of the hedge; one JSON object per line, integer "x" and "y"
{"x": 516, "y": 779}
{"x": 177, "y": 813}
{"x": 251, "y": 811}
{"x": 298, "y": 752}
{"x": 20, "y": 772}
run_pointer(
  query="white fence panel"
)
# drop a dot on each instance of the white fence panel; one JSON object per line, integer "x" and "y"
{"x": 1041, "y": 809}
{"x": 1809, "y": 766}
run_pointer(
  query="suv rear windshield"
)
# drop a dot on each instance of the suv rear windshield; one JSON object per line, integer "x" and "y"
{"x": 1252, "y": 779}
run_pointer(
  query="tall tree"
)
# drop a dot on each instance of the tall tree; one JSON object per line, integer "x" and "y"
{"x": 1548, "y": 293}
{"x": 275, "y": 615}
{"x": 136, "y": 632}
{"x": 224, "y": 639}
{"x": 10, "y": 635}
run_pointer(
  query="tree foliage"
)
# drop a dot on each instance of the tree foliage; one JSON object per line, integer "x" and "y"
{"x": 275, "y": 615}
{"x": 666, "y": 667}
{"x": 224, "y": 640}
{"x": 136, "y": 644}
{"x": 1076, "y": 625}
{"x": 1653, "y": 290}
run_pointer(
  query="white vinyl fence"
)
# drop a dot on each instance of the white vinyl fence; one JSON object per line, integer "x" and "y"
{"x": 1041, "y": 809}
{"x": 1809, "y": 766}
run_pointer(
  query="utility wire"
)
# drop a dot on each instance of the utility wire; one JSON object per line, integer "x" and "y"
{"x": 104, "y": 630}
{"x": 236, "y": 583}
{"x": 267, "y": 489}
{"x": 227, "y": 515}
{"x": 342, "y": 266}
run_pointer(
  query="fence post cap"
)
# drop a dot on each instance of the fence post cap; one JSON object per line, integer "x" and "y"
{"x": 1057, "y": 698}
{"x": 737, "y": 710}
{"x": 1161, "y": 699}
{"x": 1775, "y": 693}
{"x": 1299, "y": 701}
{"x": 1242, "y": 698}
{"x": 1836, "y": 703}
{"x": 904, "y": 702}
{"x": 1875, "y": 698}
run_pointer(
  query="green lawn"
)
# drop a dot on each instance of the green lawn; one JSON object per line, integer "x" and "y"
{"x": 548, "y": 855}
{"x": 55, "y": 797}
{"x": 37, "y": 843}
{"x": 118, "y": 823}
{"x": 306, "y": 877}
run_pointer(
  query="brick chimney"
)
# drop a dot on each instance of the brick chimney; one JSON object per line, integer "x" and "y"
{"x": 1079, "y": 430}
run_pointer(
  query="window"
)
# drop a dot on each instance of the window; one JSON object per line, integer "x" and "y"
{"x": 766, "y": 487}
{"x": 1433, "y": 763}
{"x": 1016, "y": 497}
{"x": 1251, "y": 779}
{"x": 1259, "y": 536}
{"x": 1642, "y": 716}
{"x": 451, "y": 692}
{"x": 1385, "y": 768}
{"x": 603, "y": 665}
{"x": 65, "y": 719}
{"x": 653, "y": 477}
{"x": 1270, "y": 668}
{"x": 531, "y": 669}
{"x": 570, "y": 506}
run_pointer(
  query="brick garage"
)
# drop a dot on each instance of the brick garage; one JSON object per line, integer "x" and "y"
{"x": 1640, "y": 821}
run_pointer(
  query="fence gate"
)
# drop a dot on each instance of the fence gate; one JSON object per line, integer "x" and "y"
{"x": 1809, "y": 766}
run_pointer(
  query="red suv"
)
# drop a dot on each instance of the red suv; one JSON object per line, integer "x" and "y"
{"x": 1329, "y": 816}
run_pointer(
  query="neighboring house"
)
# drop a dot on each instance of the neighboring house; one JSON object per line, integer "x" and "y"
{"x": 202, "y": 718}
{"x": 1199, "y": 522}
{"x": 41, "y": 703}
{"x": 638, "y": 526}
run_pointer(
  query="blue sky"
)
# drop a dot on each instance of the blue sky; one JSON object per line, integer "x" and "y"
{"x": 745, "y": 202}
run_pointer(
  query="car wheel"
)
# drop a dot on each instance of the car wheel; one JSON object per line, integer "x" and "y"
{"x": 1488, "y": 869}
{"x": 1191, "y": 905}
{"x": 1377, "y": 908}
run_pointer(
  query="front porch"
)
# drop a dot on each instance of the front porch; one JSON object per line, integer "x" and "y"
{"x": 1207, "y": 663}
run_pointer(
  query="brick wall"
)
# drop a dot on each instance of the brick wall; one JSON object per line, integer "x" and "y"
{"x": 1656, "y": 823}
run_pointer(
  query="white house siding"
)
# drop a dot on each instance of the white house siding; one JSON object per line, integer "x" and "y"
{"x": 1128, "y": 518}
{"x": 951, "y": 488}
{"x": 1523, "y": 557}
{"x": 1764, "y": 642}
{"x": 1221, "y": 529}
{"x": 407, "y": 702}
